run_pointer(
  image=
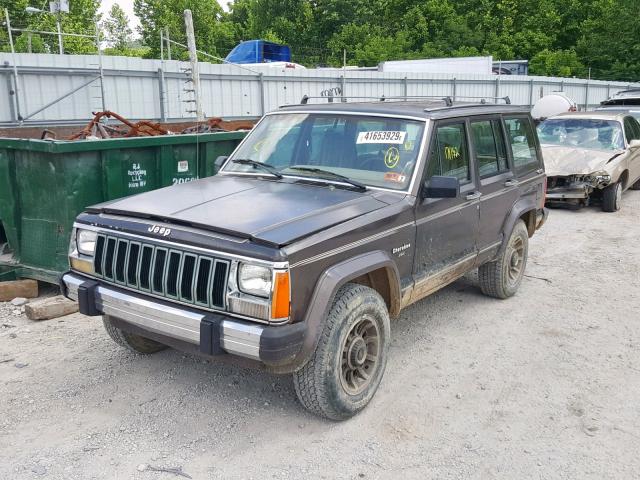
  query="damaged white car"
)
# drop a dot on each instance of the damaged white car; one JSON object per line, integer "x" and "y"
{"x": 590, "y": 156}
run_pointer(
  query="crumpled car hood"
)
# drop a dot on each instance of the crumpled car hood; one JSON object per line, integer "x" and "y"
{"x": 562, "y": 161}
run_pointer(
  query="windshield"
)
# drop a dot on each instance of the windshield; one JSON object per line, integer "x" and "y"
{"x": 583, "y": 133}
{"x": 375, "y": 151}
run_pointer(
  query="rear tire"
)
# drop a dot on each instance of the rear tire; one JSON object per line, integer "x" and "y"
{"x": 349, "y": 361}
{"x": 502, "y": 277}
{"x": 131, "y": 341}
{"x": 635, "y": 186}
{"x": 612, "y": 197}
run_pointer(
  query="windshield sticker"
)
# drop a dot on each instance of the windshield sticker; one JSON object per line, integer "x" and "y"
{"x": 408, "y": 145}
{"x": 392, "y": 157}
{"x": 258, "y": 145}
{"x": 381, "y": 137}
{"x": 395, "y": 177}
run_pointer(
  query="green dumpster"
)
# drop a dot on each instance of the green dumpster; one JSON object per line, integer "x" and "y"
{"x": 44, "y": 184}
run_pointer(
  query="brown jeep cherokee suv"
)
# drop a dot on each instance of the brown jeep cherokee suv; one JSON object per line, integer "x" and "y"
{"x": 326, "y": 221}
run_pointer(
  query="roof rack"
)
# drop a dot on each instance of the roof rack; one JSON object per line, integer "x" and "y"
{"x": 483, "y": 100}
{"x": 381, "y": 98}
{"x": 448, "y": 100}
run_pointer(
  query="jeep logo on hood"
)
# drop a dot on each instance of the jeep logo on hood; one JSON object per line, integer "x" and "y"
{"x": 162, "y": 231}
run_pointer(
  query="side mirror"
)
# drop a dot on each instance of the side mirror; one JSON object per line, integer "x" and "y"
{"x": 220, "y": 162}
{"x": 634, "y": 144}
{"x": 441, "y": 187}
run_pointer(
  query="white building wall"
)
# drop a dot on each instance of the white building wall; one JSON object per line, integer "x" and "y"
{"x": 132, "y": 87}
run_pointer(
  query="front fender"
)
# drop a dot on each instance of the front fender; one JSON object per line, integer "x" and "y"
{"x": 326, "y": 288}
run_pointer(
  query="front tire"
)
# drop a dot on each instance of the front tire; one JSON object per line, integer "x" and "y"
{"x": 131, "y": 341}
{"x": 347, "y": 366}
{"x": 502, "y": 277}
{"x": 612, "y": 197}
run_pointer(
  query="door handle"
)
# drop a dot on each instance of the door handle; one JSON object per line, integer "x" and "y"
{"x": 539, "y": 171}
{"x": 510, "y": 183}
{"x": 473, "y": 195}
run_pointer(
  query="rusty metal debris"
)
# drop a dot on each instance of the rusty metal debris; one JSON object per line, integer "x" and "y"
{"x": 98, "y": 129}
{"x": 48, "y": 135}
{"x": 217, "y": 124}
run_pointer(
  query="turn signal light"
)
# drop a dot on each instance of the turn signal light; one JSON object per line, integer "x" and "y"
{"x": 81, "y": 265}
{"x": 281, "y": 299}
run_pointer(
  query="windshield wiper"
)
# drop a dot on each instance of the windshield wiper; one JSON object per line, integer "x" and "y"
{"x": 268, "y": 168}
{"x": 327, "y": 173}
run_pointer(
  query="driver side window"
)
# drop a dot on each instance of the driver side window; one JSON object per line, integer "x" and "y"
{"x": 448, "y": 155}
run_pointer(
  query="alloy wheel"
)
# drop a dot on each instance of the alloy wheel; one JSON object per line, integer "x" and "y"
{"x": 360, "y": 355}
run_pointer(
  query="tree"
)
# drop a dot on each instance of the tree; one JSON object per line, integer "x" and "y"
{"x": 557, "y": 63}
{"x": 367, "y": 45}
{"x": 559, "y": 37}
{"x": 609, "y": 40}
{"x": 116, "y": 26}
{"x": 284, "y": 21}
{"x": 81, "y": 19}
{"x": 213, "y": 34}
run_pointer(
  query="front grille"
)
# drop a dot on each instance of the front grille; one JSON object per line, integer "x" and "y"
{"x": 187, "y": 277}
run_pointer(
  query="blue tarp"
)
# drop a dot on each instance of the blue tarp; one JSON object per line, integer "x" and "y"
{"x": 259, "y": 51}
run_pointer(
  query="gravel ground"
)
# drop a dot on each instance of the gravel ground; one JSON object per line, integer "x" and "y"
{"x": 544, "y": 385}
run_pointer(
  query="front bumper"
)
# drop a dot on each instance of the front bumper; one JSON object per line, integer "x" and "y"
{"x": 210, "y": 333}
{"x": 575, "y": 191}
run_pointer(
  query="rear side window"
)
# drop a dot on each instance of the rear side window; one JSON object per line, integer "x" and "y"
{"x": 631, "y": 129}
{"x": 488, "y": 143}
{"x": 523, "y": 145}
{"x": 449, "y": 155}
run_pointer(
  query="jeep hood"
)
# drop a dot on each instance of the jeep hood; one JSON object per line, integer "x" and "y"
{"x": 562, "y": 161}
{"x": 271, "y": 212}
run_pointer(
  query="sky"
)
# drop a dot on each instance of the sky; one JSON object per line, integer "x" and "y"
{"x": 127, "y": 6}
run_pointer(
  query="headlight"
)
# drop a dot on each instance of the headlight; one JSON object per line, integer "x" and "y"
{"x": 254, "y": 280}
{"x": 602, "y": 177}
{"x": 86, "y": 242}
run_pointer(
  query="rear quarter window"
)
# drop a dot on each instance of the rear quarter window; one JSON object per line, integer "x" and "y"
{"x": 631, "y": 129}
{"x": 522, "y": 142}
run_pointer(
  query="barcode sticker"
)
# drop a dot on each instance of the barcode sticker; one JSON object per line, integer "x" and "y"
{"x": 381, "y": 137}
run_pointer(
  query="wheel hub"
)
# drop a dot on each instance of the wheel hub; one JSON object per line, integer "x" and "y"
{"x": 360, "y": 354}
{"x": 357, "y": 352}
{"x": 515, "y": 260}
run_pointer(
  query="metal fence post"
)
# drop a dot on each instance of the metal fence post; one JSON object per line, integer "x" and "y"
{"x": 16, "y": 92}
{"x": 262, "y": 100}
{"x": 406, "y": 87}
{"x": 12, "y": 106}
{"x": 531, "y": 92}
{"x": 161, "y": 46}
{"x": 497, "y": 91}
{"x": 586, "y": 95}
{"x": 102, "y": 95}
{"x": 163, "y": 115}
{"x": 342, "y": 88}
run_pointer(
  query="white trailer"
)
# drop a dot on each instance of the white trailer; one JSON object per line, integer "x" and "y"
{"x": 478, "y": 65}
